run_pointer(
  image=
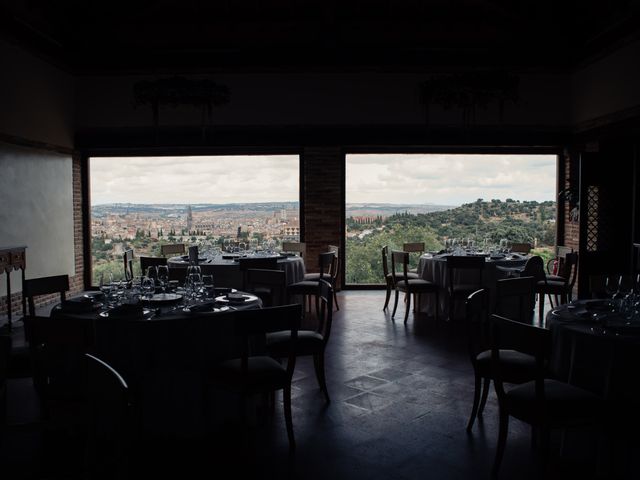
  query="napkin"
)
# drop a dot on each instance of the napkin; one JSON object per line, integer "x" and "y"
{"x": 203, "y": 307}
{"x": 78, "y": 304}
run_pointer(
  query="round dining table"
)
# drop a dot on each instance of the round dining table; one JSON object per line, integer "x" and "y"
{"x": 433, "y": 268}
{"x": 595, "y": 347}
{"x": 164, "y": 351}
{"x": 226, "y": 268}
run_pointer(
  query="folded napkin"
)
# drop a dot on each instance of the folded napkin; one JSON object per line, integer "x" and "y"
{"x": 128, "y": 310}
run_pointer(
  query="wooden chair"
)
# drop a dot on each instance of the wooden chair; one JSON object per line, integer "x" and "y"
{"x": 309, "y": 288}
{"x": 299, "y": 248}
{"x": 411, "y": 286}
{"x": 146, "y": 262}
{"x": 34, "y": 287}
{"x": 516, "y": 298}
{"x": 269, "y": 285}
{"x": 543, "y": 403}
{"x": 128, "y": 264}
{"x": 259, "y": 374}
{"x": 194, "y": 256}
{"x": 519, "y": 366}
{"x": 310, "y": 342}
{"x": 109, "y": 436}
{"x": 172, "y": 249}
{"x": 388, "y": 277}
{"x": 523, "y": 248}
{"x": 560, "y": 286}
{"x": 468, "y": 269}
{"x": 332, "y": 273}
{"x": 265, "y": 263}
{"x": 555, "y": 265}
{"x": 413, "y": 247}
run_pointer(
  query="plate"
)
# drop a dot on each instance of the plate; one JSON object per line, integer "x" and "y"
{"x": 164, "y": 298}
{"x": 241, "y": 299}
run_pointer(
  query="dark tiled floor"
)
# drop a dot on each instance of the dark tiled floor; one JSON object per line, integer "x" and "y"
{"x": 401, "y": 395}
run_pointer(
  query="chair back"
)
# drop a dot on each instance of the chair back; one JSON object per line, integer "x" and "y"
{"x": 335, "y": 266}
{"x": 516, "y": 298}
{"x": 128, "y": 264}
{"x": 477, "y": 315}
{"x": 325, "y": 297}
{"x": 508, "y": 334}
{"x": 295, "y": 247}
{"x": 558, "y": 260}
{"x": 44, "y": 286}
{"x": 569, "y": 269}
{"x": 250, "y": 323}
{"x": 521, "y": 247}
{"x": 399, "y": 258}
{"x": 468, "y": 265}
{"x": 413, "y": 247}
{"x": 146, "y": 262}
{"x": 385, "y": 261}
{"x": 109, "y": 412}
{"x": 327, "y": 262}
{"x": 274, "y": 281}
{"x": 172, "y": 249}
{"x": 534, "y": 267}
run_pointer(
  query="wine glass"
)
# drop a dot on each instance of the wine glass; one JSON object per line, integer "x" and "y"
{"x": 163, "y": 277}
{"x": 106, "y": 285}
{"x": 195, "y": 285}
{"x": 148, "y": 287}
{"x": 209, "y": 288}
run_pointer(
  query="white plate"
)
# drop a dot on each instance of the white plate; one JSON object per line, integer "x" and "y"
{"x": 145, "y": 313}
{"x": 246, "y": 298}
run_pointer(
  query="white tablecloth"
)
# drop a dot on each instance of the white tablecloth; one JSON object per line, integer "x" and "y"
{"x": 434, "y": 269}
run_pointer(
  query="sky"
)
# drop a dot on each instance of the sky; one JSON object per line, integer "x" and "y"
{"x": 443, "y": 179}
{"x": 447, "y": 179}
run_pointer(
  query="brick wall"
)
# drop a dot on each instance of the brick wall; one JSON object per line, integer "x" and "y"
{"x": 571, "y": 229}
{"x": 76, "y": 282}
{"x": 323, "y": 199}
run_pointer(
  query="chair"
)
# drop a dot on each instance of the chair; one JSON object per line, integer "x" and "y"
{"x": 334, "y": 271}
{"x": 258, "y": 374}
{"x": 295, "y": 247}
{"x": 516, "y": 298}
{"x": 34, "y": 287}
{"x": 262, "y": 263}
{"x": 560, "y": 286}
{"x": 194, "y": 257}
{"x": 524, "y": 248}
{"x": 108, "y": 436}
{"x": 388, "y": 277}
{"x": 308, "y": 288}
{"x": 128, "y": 264}
{"x": 411, "y": 286}
{"x": 518, "y": 365}
{"x": 464, "y": 277}
{"x": 57, "y": 347}
{"x": 413, "y": 247}
{"x": 269, "y": 285}
{"x": 555, "y": 265}
{"x": 543, "y": 403}
{"x": 172, "y": 249}
{"x": 310, "y": 342}
{"x": 146, "y": 262}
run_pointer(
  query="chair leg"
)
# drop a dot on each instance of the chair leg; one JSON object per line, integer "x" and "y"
{"x": 485, "y": 394}
{"x": 395, "y": 305}
{"x": 540, "y": 307}
{"x": 286, "y": 396}
{"x": 318, "y": 363}
{"x": 408, "y": 307}
{"x": 437, "y": 305}
{"x": 335, "y": 300}
{"x": 386, "y": 300}
{"x": 502, "y": 441}
{"x": 476, "y": 402}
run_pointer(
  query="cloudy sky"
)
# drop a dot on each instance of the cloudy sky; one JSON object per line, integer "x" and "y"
{"x": 449, "y": 179}
{"x": 414, "y": 178}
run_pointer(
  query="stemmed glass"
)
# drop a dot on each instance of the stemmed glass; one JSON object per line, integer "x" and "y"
{"x": 163, "y": 277}
{"x": 106, "y": 286}
{"x": 209, "y": 288}
{"x": 148, "y": 287}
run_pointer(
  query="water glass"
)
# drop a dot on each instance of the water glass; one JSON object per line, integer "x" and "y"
{"x": 209, "y": 287}
{"x": 148, "y": 287}
{"x": 163, "y": 277}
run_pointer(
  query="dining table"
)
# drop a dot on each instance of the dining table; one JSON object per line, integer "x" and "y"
{"x": 163, "y": 350}
{"x": 433, "y": 268}
{"x": 226, "y": 272}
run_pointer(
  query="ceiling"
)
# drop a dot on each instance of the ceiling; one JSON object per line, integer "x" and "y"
{"x": 309, "y": 35}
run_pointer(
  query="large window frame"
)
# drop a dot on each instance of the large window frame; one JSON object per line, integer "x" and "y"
{"x": 85, "y": 173}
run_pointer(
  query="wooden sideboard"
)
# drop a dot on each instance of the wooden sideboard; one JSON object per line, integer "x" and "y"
{"x": 13, "y": 258}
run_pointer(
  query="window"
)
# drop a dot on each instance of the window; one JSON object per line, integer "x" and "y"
{"x": 144, "y": 202}
{"x": 440, "y": 199}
